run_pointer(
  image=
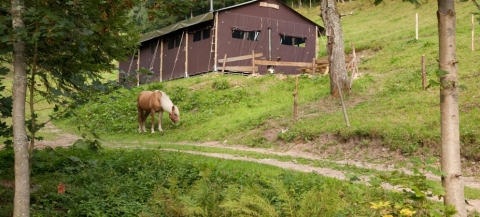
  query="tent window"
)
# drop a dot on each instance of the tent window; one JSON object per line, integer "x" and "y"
{"x": 153, "y": 46}
{"x": 246, "y": 35}
{"x": 206, "y": 33}
{"x": 174, "y": 42}
{"x": 171, "y": 43}
{"x": 197, "y": 36}
{"x": 299, "y": 42}
{"x": 201, "y": 35}
{"x": 178, "y": 41}
{"x": 293, "y": 41}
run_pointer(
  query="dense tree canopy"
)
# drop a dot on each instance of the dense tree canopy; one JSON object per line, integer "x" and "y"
{"x": 71, "y": 42}
{"x": 63, "y": 47}
{"x": 69, "y": 45}
{"x": 155, "y": 14}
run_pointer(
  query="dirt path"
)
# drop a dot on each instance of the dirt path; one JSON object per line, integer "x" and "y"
{"x": 65, "y": 139}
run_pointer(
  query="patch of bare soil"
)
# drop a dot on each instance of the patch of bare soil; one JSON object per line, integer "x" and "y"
{"x": 371, "y": 158}
{"x": 358, "y": 152}
{"x": 62, "y": 139}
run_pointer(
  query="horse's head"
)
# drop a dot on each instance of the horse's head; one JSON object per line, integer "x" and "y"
{"x": 175, "y": 114}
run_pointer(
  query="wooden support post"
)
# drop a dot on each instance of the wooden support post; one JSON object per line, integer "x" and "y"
{"x": 224, "y": 61}
{"x": 161, "y": 60}
{"x": 314, "y": 66}
{"x": 295, "y": 101}
{"x": 354, "y": 68}
{"x": 473, "y": 32}
{"x": 138, "y": 68}
{"x": 416, "y": 26}
{"x": 186, "y": 53}
{"x": 317, "y": 44}
{"x": 424, "y": 73}
{"x": 253, "y": 61}
{"x": 343, "y": 106}
{"x": 215, "y": 55}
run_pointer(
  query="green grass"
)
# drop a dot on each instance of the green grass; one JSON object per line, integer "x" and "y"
{"x": 157, "y": 183}
{"x": 387, "y": 102}
{"x": 470, "y": 193}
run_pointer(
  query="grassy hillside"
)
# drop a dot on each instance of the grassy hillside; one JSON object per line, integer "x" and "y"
{"x": 387, "y": 101}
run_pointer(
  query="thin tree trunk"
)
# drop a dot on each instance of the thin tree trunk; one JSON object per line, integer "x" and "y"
{"x": 33, "y": 122}
{"x": 21, "y": 201}
{"x": 335, "y": 47}
{"x": 450, "y": 120}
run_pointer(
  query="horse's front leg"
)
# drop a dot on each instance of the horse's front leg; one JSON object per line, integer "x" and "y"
{"x": 160, "y": 114}
{"x": 153, "y": 120}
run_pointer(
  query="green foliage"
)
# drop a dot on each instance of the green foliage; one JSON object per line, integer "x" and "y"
{"x": 156, "y": 14}
{"x": 156, "y": 183}
{"x": 210, "y": 108}
{"x": 5, "y": 109}
{"x": 69, "y": 46}
{"x": 418, "y": 191}
{"x": 220, "y": 85}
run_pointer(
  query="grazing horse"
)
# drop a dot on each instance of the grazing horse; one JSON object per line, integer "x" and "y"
{"x": 149, "y": 102}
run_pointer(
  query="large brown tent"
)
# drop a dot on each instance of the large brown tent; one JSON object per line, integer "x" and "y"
{"x": 268, "y": 29}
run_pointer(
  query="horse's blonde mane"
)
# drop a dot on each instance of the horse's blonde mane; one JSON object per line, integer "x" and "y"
{"x": 167, "y": 103}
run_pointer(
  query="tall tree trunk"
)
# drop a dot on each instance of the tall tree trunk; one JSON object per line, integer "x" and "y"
{"x": 335, "y": 47}
{"x": 451, "y": 164}
{"x": 21, "y": 201}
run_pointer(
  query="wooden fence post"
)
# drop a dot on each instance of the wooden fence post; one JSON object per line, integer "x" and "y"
{"x": 295, "y": 101}
{"x": 424, "y": 73}
{"x": 347, "y": 122}
{"x": 354, "y": 67}
{"x": 138, "y": 69}
{"x": 253, "y": 61}
{"x": 224, "y": 61}
{"x": 416, "y": 26}
{"x": 473, "y": 32}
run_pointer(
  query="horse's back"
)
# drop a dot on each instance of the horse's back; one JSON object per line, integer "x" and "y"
{"x": 148, "y": 100}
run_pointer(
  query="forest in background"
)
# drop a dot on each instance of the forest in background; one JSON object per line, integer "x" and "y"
{"x": 151, "y": 15}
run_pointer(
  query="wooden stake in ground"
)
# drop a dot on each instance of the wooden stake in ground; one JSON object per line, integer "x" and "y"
{"x": 354, "y": 68}
{"x": 416, "y": 26}
{"x": 343, "y": 107}
{"x": 295, "y": 101}
{"x": 253, "y": 62}
{"x": 473, "y": 32}
{"x": 424, "y": 73}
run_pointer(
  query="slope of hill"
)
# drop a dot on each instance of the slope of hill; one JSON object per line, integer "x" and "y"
{"x": 387, "y": 107}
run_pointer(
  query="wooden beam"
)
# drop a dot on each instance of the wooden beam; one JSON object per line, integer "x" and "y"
{"x": 239, "y": 68}
{"x": 276, "y": 63}
{"x": 245, "y": 57}
{"x": 325, "y": 61}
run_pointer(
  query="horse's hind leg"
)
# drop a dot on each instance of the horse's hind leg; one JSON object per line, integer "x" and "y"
{"x": 144, "y": 120}
{"x": 140, "y": 119}
{"x": 153, "y": 120}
